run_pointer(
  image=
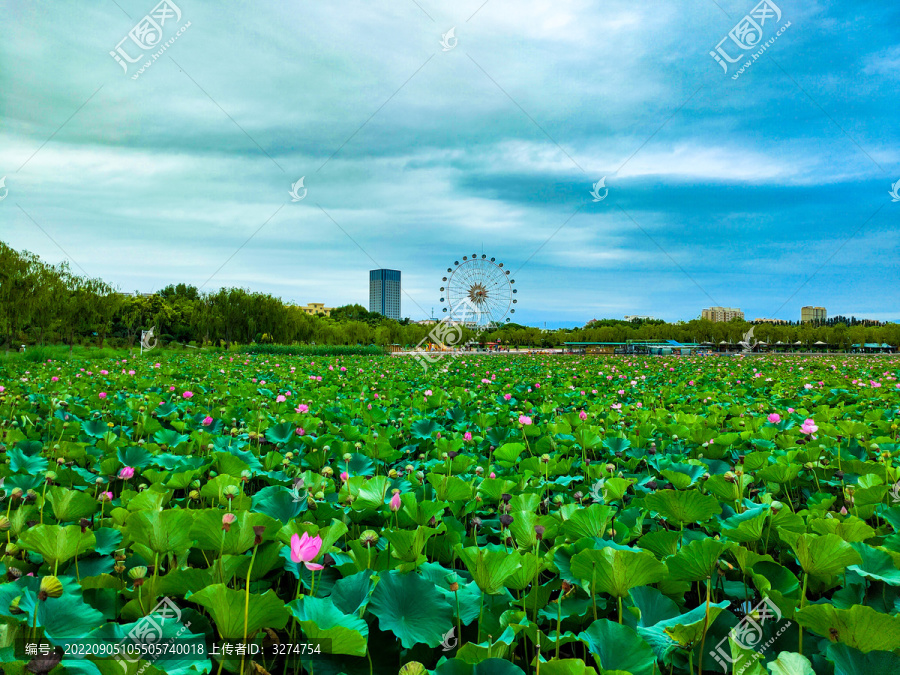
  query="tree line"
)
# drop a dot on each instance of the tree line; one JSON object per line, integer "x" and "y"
{"x": 42, "y": 303}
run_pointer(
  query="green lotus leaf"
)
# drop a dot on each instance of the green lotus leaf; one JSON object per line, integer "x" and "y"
{"x": 134, "y": 456}
{"x": 19, "y": 462}
{"x": 276, "y": 501}
{"x": 696, "y": 560}
{"x": 747, "y": 526}
{"x": 410, "y": 608}
{"x": 617, "y": 647}
{"x": 823, "y": 555}
{"x": 876, "y": 564}
{"x": 351, "y": 593}
{"x": 860, "y": 627}
{"x": 494, "y": 666}
{"x": 681, "y": 632}
{"x": 162, "y": 531}
{"x": 490, "y": 568}
{"x": 70, "y": 505}
{"x": 170, "y": 438}
{"x": 280, "y": 433}
{"x": 849, "y": 661}
{"x": 209, "y": 534}
{"x": 226, "y": 606}
{"x": 319, "y": 619}
{"x": 615, "y": 571}
{"x": 683, "y": 507}
{"x": 790, "y": 663}
{"x": 57, "y": 544}
{"x": 851, "y": 529}
{"x": 589, "y": 522}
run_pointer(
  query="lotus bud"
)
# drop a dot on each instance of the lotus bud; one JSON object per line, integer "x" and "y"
{"x": 51, "y": 587}
{"x": 320, "y": 495}
{"x": 4, "y": 524}
{"x": 195, "y": 484}
{"x": 12, "y": 550}
{"x": 194, "y": 495}
{"x": 392, "y": 474}
{"x": 289, "y": 455}
{"x": 420, "y": 476}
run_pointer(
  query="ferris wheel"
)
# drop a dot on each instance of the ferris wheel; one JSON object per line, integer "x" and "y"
{"x": 478, "y": 291}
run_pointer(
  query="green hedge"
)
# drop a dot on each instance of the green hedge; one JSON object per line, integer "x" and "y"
{"x": 314, "y": 350}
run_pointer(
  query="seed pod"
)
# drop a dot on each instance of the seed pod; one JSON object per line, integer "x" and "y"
{"x": 51, "y": 587}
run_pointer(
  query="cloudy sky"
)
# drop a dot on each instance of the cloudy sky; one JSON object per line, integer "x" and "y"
{"x": 766, "y": 189}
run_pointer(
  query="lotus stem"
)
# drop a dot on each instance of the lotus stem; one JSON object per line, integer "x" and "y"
{"x": 802, "y": 600}
{"x": 558, "y": 620}
{"x": 247, "y": 600}
{"x": 705, "y": 626}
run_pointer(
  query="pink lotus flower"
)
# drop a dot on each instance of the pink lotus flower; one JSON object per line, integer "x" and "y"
{"x": 207, "y": 421}
{"x": 188, "y": 394}
{"x": 106, "y": 496}
{"x": 808, "y": 427}
{"x": 102, "y": 395}
{"x": 524, "y": 420}
{"x": 492, "y": 475}
{"x": 428, "y": 392}
{"x": 345, "y": 476}
{"x": 300, "y": 431}
{"x": 467, "y": 436}
{"x": 302, "y": 408}
{"x": 280, "y": 399}
{"x": 507, "y": 396}
{"x": 305, "y": 549}
{"x": 774, "y": 418}
{"x": 126, "y": 472}
{"x": 582, "y": 415}
{"x": 395, "y": 502}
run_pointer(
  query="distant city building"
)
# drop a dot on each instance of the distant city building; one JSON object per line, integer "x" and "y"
{"x": 769, "y": 321}
{"x": 808, "y": 314}
{"x": 384, "y": 293}
{"x": 316, "y": 309}
{"x": 721, "y": 314}
{"x": 636, "y": 317}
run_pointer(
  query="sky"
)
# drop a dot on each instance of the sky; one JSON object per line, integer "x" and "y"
{"x": 766, "y": 188}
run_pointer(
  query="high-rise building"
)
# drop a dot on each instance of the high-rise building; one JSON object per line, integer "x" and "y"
{"x": 384, "y": 293}
{"x": 808, "y": 314}
{"x": 722, "y": 314}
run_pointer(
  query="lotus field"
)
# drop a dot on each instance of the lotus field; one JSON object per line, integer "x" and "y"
{"x": 489, "y": 516}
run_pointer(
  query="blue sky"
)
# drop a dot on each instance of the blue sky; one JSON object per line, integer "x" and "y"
{"x": 765, "y": 192}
